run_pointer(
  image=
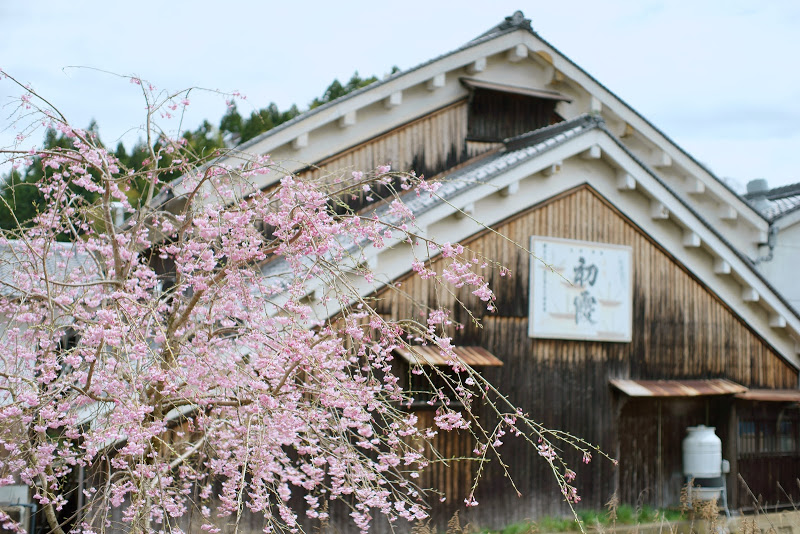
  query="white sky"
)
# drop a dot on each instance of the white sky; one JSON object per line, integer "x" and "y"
{"x": 721, "y": 78}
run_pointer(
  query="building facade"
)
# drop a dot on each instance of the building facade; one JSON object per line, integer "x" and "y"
{"x": 696, "y": 328}
{"x": 644, "y": 296}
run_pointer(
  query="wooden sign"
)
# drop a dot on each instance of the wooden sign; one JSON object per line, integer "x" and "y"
{"x": 580, "y": 290}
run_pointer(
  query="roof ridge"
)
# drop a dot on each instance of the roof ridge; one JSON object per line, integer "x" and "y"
{"x": 515, "y": 21}
{"x": 529, "y": 138}
{"x": 775, "y": 203}
{"x": 783, "y": 191}
{"x": 511, "y": 24}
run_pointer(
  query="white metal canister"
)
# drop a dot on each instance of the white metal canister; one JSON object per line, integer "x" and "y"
{"x": 702, "y": 452}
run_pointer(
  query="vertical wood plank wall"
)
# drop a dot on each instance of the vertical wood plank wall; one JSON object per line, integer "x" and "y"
{"x": 428, "y": 145}
{"x": 680, "y": 330}
{"x": 496, "y": 115}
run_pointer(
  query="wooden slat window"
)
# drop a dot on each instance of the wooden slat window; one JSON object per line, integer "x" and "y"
{"x": 761, "y": 437}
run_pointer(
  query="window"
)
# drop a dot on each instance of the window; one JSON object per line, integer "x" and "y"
{"x": 769, "y": 436}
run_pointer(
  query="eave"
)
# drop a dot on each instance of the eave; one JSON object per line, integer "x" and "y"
{"x": 362, "y": 115}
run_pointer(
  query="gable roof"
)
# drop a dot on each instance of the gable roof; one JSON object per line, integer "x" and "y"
{"x": 730, "y": 273}
{"x": 658, "y": 185}
{"x": 359, "y": 117}
{"x": 511, "y": 24}
{"x": 526, "y": 170}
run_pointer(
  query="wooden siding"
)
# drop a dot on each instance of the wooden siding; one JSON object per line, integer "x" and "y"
{"x": 767, "y": 441}
{"x": 681, "y": 330}
{"x": 497, "y": 115}
{"x": 452, "y": 478}
{"x": 651, "y": 433}
{"x": 427, "y": 145}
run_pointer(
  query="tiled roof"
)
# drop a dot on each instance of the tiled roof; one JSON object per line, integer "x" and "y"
{"x": 511, "y": 24}
{"x": 518, "y": 150}
{"x": 777, "y": 202}
{"x": 517, "y": 21}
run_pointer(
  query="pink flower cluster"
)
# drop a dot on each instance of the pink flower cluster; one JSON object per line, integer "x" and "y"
{"x": 214, "y": 351}
{"x": 180, "y": 351}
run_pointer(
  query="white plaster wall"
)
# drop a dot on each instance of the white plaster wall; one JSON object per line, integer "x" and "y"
{"x": 783, "y": 271}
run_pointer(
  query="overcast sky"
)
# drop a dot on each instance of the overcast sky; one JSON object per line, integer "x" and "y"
{"x": 721, "y": 78}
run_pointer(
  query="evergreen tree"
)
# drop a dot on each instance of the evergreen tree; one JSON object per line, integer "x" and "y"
{"x": 204, "y": 140}
{"x": 336, "y": 89}
{"x": 19, "y": 194}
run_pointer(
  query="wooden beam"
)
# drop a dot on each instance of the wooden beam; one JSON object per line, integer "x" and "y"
{"x": 552, "y": 75}
{"x": 555, "y": 168}
{"x": 510, "y": 190}
{"x": 545, "y": 55}
{"x": 728, "y": 212}
{"x": 721, "y": 266}
{"x": 313, "y": 294}
{"x": 777, "y": 321}
{"x": 627, "y": 131}
{"x": 625, "y": 182}
{"x": 593, "y": 153}
{"x": 749, "y": 294}
{"x": 467, "y": 210}
{"x": 393, "y": 100}
{"x": 518, "y": 53}
{"x": 691, "y": 239}
{"x": 437, "y": 82}
{"x": 549, "y": 73}
{"x": 595, "y": 106}
{"x": 348, "y": 119}
{"x": 695, "y": 186}
{"x": 659, "y": 158}
{"x": 479, "y": 65}
{"x": 370, "y": 262}
{"x": 658, "y": 211}
{"x": 301, "y": 141}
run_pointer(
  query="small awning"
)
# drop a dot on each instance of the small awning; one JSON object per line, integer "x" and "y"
{"x": 472, "y": 83}
{"x": 770, "y": 395}
{"x": 431, "y": 355}
{"x": 677, "y": 388}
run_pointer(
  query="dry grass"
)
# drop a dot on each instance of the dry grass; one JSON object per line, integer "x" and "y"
{"x": 693, "y": 517}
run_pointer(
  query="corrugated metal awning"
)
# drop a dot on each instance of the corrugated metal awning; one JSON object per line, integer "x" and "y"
{"x": 677, "y": 388}
{"x": 431, "y": 355}
{"x": 472, "y": 83}
{"x": 771, "y": 395}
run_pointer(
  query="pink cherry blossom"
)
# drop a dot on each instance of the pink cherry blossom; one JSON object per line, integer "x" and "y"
{"x": 188, "y": 360}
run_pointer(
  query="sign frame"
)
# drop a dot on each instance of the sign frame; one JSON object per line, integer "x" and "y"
{"x": 555, "y": 325}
